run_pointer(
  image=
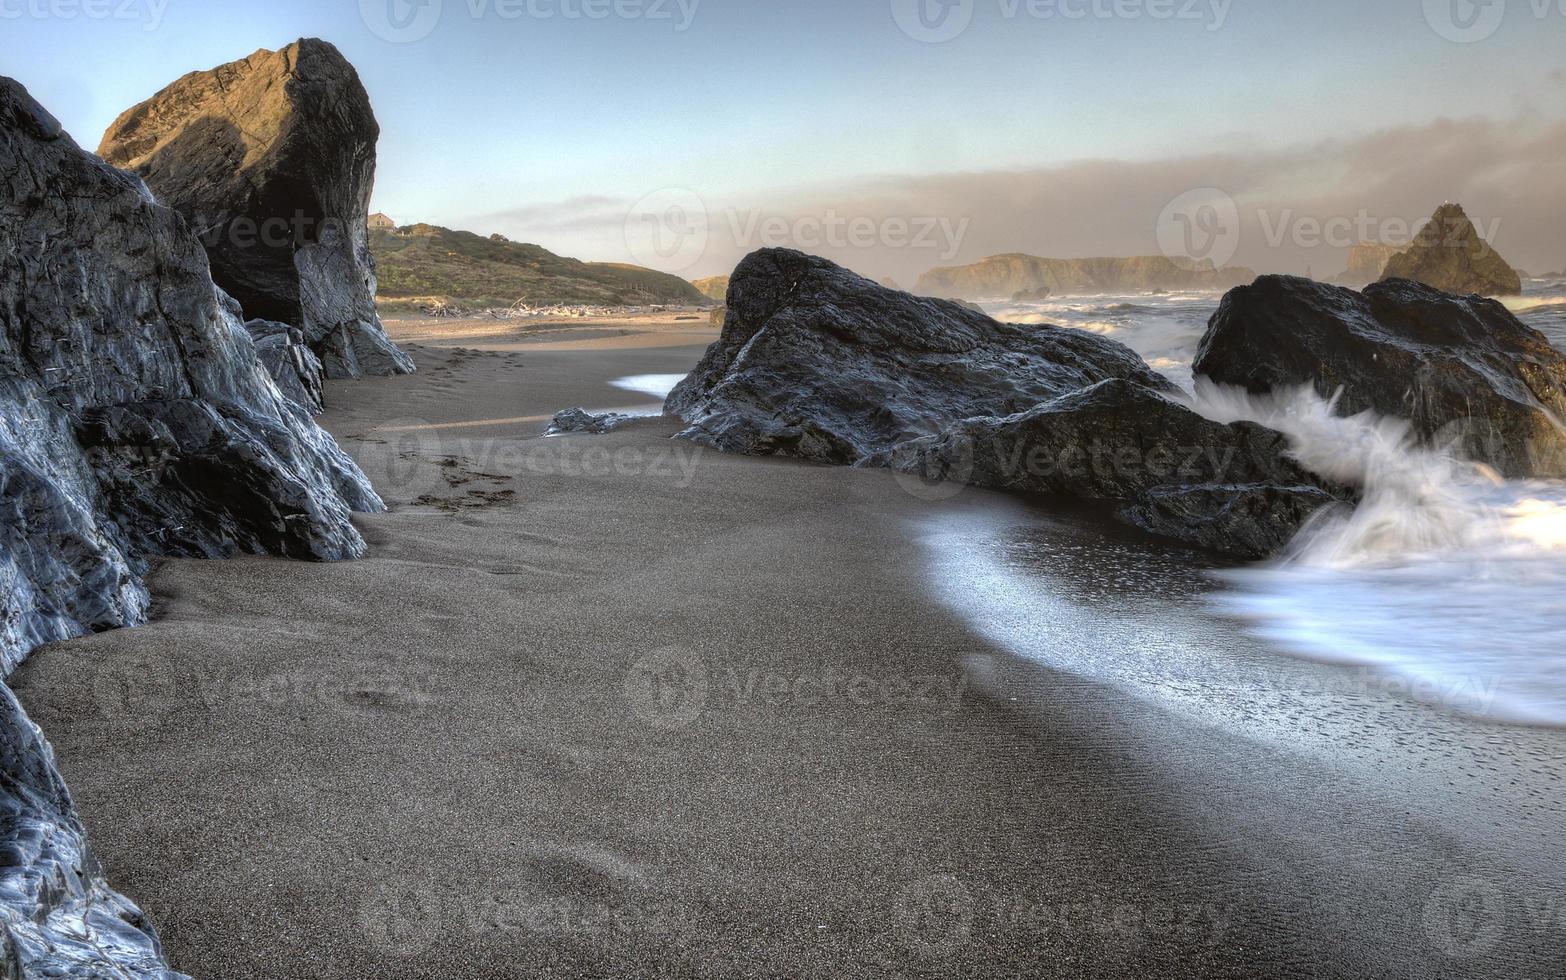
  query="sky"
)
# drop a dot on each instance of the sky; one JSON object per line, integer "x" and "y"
{"x": 897, "y": 135}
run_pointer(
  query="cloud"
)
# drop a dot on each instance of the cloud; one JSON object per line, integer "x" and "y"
{"x": 1300, "y": 206}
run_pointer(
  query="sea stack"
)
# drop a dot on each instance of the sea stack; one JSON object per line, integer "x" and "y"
{"x": 271, "y": 160}
{"x": 1451, "y": 255}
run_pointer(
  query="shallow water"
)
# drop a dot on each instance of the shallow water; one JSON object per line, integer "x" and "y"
{"x": 1447, "y": 585}
{"x": 657, "y": 385}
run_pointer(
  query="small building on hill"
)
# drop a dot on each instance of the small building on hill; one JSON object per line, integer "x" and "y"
{"x": 381, "y": 222}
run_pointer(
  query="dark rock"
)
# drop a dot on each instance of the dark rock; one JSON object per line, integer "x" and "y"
{"x": 1231, "y": 488}
{"x": 290, "y": 361}
{"x": 1040, "y": 294}
{"x": 135, "y": 421}
{"x": 1464, "y": 370}
{"x": 580, "y": 420}
{"x": 272, "y": 160}
{"x": 1451, "y": 255}
{"x": 816, "y": 363}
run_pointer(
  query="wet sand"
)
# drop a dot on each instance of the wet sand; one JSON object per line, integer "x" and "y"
{"x": 616, "y": 706}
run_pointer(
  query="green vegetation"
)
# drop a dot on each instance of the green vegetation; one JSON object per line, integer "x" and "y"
{"x": 422, "y": 264}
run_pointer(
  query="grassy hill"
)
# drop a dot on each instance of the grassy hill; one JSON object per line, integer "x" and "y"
{"x": 420, "y": 264}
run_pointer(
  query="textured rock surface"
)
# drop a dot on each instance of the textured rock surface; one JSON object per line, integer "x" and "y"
{"x": 290, "y": 362}
{"x": 580, "y": 420}
{"x": 1463, "y": 369}
{"x": 816, "y": 363}
{"x": 1451, "y": 255}
{"x": 1231, "y": 488}
{"x": 135, "y": 420}
{"x": 1000, "y": 276}
{"x": 272, "y": 160}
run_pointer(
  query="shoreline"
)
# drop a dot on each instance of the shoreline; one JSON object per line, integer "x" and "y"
{"x": 493, "y": 748}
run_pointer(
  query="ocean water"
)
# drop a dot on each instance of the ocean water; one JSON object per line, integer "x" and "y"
{"x": 1447, "y": 585}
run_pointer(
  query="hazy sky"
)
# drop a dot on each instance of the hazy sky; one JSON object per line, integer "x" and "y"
{"x": 1057, "y": 127}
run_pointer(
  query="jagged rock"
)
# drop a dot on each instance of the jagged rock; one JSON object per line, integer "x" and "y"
{"x": 1006, "y": 275}
{"x": 1451, "y": 255}
{"x": 290, "y": 361}
{"x": 1464, "y": 370}
{"x": 580, "y": 420}
{"x": 816, "y": 363}
{"x": 1037, "y": 295}
{"x": 1230, "y": 488}
{"x": 272, "y": 160}
{"x": 135, "y": 420}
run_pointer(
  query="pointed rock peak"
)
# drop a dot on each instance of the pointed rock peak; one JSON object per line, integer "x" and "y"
{"x": 1451, "y": 254}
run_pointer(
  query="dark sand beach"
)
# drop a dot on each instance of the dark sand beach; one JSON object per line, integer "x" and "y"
{"x": 616, "y": 705}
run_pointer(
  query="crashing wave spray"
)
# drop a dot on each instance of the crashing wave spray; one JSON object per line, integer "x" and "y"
{"x": 1445, "y": 576}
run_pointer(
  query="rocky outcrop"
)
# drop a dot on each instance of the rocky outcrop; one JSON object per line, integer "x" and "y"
{"x": 272, "y": 160}
{"x": 1367, "y": 263}
{"x": 1038, "y": 295}
{"x": 1001, "y": 276}
{"x": 1451, "y": 255}
{"x": 291, "y": 363}
{"x": 714, "y": 287}
{"x": 1230, "y": 488}
{"x": 816, "y": 363}
{"x": 135, "y": 421}
{"x": 1464, "y": 370}
{"x": 579, "y": 420}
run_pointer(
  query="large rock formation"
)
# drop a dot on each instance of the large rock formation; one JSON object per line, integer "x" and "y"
{"x": 1465, "y": 370}
{"x": 135, "y": 421}
{"x": 1451, "y": 255}
{"x": 817, "y": 363}
{"x": 272, "y": 160}
{"x": 1001, "y": 276}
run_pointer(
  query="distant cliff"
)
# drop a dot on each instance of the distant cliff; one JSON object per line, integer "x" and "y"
{"x": 1367, "y": 263}
{"x": 1000, "y": 276}
{"x": 715, "y": 288}
{"x": 423, "y": 263}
